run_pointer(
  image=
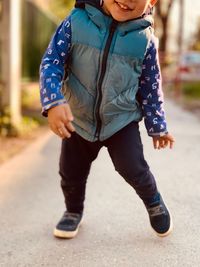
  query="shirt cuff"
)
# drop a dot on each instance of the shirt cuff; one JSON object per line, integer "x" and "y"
{"x": 158, "y": 134}
{"x": 45, "y": 109}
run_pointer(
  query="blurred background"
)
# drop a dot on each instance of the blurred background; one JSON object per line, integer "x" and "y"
{"x": 26, "y": 27}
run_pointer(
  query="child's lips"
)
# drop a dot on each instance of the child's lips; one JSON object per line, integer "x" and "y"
{"x": 123, "y": 6}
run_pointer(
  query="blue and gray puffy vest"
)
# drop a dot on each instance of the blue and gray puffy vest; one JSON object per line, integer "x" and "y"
{"x": 104, "y": 70}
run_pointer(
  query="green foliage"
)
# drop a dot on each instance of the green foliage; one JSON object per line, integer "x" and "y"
{"x": 196, "y": 45}
{"x": 36, "y": 32}
{"x": 31, "y": 106}
{"x": 31, "y": 119}
{"x": 7, "y": 129}
{"x": 27, "y": 126}
{"x": 30, "y": 96}
{"x": 61, "y": 7}
{"x": 191, "y": 90}
{"x": 196, "y": 40}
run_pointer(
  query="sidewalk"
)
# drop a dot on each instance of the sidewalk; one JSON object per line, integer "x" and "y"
{"x": 115, "y": 231}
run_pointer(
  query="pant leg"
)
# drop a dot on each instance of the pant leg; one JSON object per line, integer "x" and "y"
{"x": 76, "y": 157}
{"x": 126, "y": 151}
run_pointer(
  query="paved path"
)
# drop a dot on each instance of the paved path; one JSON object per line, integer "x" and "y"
{"x": 116, "y": 231}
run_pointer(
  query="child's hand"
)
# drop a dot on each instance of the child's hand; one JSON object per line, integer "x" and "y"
{"x": 163, "y": 141}
{"x": 60, "y": 118}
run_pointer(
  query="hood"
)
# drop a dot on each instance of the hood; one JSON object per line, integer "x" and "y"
{"x": 98, "y": 4}
{"x": 103, "y": 21}
{"x": 90, "y": 5}
{"x": 95, "y": 3}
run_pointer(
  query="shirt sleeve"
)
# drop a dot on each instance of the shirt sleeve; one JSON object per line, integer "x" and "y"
{"x": 52, "y": 67}
{"x": 150, "y": 93}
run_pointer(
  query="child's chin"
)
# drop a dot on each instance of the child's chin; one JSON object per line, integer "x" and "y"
{"x": 120, "y": 18}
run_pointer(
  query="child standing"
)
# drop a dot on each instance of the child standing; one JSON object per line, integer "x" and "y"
{"x": 112, "y": 79}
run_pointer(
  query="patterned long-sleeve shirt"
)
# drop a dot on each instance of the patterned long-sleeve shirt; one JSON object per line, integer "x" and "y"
{"x": 150, "y": 87}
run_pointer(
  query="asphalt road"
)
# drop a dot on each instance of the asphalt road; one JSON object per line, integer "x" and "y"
{"x": 116, "y": 230}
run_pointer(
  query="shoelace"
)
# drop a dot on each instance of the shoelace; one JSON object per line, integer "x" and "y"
{"x": 155, "y": 211}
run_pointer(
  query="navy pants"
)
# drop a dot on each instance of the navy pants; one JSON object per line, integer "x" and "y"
{"x": 126, "y": 151}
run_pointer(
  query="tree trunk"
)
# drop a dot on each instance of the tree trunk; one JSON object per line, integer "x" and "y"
{"x": 164, "y": 37}
{"x": 163, "y": 10}
{"x": 11, "y": 58}
{"x": 181, "y": 25}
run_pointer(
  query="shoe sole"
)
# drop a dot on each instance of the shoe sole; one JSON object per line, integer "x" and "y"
{"x": 170, "y": 227}
{"x": 66, "y": 234}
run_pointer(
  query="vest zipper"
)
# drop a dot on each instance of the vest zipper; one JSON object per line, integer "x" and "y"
{"x": 101, "y": 77}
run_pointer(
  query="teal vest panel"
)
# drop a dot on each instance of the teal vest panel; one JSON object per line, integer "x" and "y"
{"x": 118, "y": 106}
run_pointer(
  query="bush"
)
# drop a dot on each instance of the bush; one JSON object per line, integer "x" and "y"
{"x": 28, "y": 124}
{"x": 191, "y": 90}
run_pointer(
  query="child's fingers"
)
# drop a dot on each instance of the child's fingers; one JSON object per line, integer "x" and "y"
{"x": 70, "y": 127}
{"x": 161, "y": 143}
{"x": 165, "y": 143}
{"x": 171, "y": 144}
{"x": 68, "y": 113}
{"x": 57, "y": 130}
{"x": 60, "y": 130}
{"x": 63, "y": 132}
{"x": 155, "y": 143}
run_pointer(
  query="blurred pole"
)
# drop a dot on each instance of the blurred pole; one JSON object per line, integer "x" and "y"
{"x": 181, "y": 25}
{"x": 11, "y": 58}
{"x": 180, "y": 45}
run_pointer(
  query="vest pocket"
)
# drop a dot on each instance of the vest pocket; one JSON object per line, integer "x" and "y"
{"x": 80, "y": 101}
{"x": 126, "y": 100}
{"x": 123, "y": 103}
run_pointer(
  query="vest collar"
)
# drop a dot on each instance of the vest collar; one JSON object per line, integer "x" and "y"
{"x": 136, "y": 24}
{"x": 103, "y": 21}
{"x": 98, "y": 17}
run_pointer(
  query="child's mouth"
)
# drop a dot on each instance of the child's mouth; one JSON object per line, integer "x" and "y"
{"x": 123, "y": 6}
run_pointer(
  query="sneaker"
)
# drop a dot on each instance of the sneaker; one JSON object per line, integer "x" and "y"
{"x": 68, "y": 225}
{"x": 160, "y": 218}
